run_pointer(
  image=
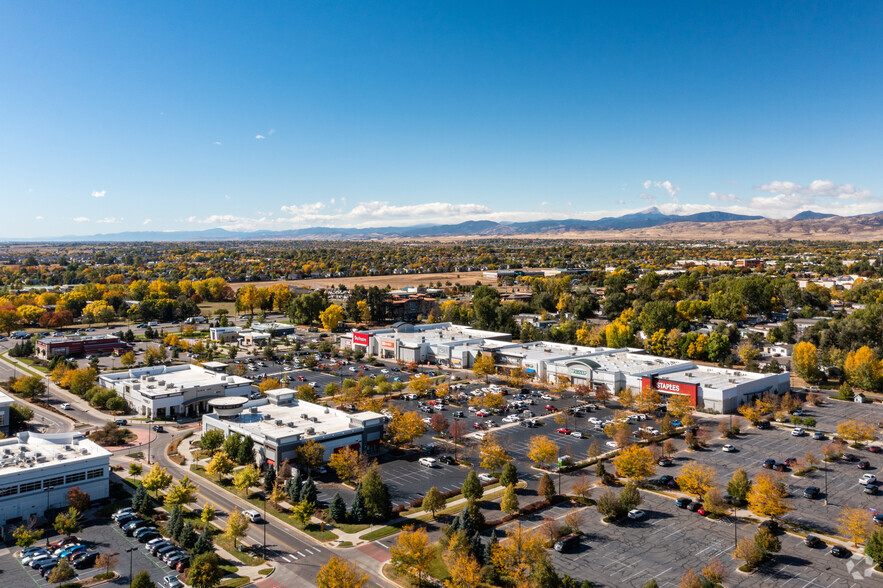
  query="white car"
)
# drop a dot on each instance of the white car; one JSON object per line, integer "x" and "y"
{"x": 511, "y": 419}
{"x": 482, "y": 477}
{"x": 65, "y": 406}
{"x": 576, "y": 434}
{"x": 546, "y": 397}
{"x": 867, "y": 479}
{"x": 729, "y": 448}
{"x": 384, "y": 371}
{"x": 427, "y": 461}
{"x": 480, "y": 435}
{"x": 636, "y": 514}
{"x": 612, "y": 444}
{"x": 594, "y": 420}
{"x": 798, "y": 432}
{"x": 172, "y": 582}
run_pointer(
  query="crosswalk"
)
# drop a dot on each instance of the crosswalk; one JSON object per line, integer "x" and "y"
{"x": 294, "y": 555}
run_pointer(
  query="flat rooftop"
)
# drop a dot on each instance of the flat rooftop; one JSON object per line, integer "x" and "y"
{"x": 171, "y": 379}
{"x": 445, "y": 333}
{"x": 306, "y": 419}
{"x": 710, "y": 377}
{"x": 31, "y": 451}
{"x": 77, "y": 338}
{"x": 629, "y": 363}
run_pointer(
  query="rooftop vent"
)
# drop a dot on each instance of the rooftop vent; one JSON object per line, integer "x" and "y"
{"x": 304, "y": 416}
{"x": 311, "y": 431}
{"x": 161, "y": 383}
{"x": 326, "y": 410}
{"x": 278, "y": 422}
{"x": 290, "y": 424}
{"x": 84, "y": 451}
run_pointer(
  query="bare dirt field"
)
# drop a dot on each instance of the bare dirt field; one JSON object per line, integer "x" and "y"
{"x": 394, "y": 282}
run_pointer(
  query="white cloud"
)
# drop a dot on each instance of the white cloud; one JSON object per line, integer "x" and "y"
{"x": 109, "y": 220}
{"x": 271, "y": 131}
{"x": 724, "y": 197}
{"x": 304, "y": 210}
{"x": 81, "y": 219}
{"x": 663, "y": 185}
{"x": 259, "y": 137}
{"x": 226, "y": 197}
{"x": 217, "y": 143}
{"x": 647, "y": 197}
{"x": 544, "y": 203}
{"x": 99, "y": 193}
{"x": 38, "y": 218}
{"x": 147, "y": 221}
{"x": 816, "y": 188}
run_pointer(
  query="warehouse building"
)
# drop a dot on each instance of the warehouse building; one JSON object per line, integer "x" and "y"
{"x": 48, "y": 347}
{"x": 173, "y": 391}
{"x": 37, "y": 471}
{"x": 282, "y": 423}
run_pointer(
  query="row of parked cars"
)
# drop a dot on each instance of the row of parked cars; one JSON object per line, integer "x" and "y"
{"x": 176, "y": 557}
{"x": 43, "y": 559}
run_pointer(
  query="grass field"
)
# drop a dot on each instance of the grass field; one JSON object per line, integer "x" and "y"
{"x": 392, "y": 281}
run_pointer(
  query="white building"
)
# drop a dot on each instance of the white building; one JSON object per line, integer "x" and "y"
{"x": 442, "y": 343}
{"x": 37, "y": 471}
{"x": 224, "y": 334}
{"x": 281, "y": 424}
{"x": 173, "y": 391}
{"x": 5, "y": 403}
{"x": 279, "y": 429}
{"x": 615, "y": 368}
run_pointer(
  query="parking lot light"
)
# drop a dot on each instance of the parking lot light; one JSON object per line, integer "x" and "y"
{"x": 130, "y": 551}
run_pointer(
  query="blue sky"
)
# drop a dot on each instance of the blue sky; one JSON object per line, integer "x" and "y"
{"x": 180, "y": 116}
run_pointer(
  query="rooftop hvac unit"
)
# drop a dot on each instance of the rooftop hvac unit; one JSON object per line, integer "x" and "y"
{"x": 254, "y": 409}
{"x": 732, "y": 380}
{"x": 60, "y": 457}
{"x": 278, "y": 422}
{"x": 326, "y": 410}
{"x": 304, "y": 416}
{"x": 291, "y": 424}
{"x": 311, "y": 431}
{"x": 169, "y": 386}
{"x": 161, "y": 383}
{"x": 315, "y": 419}
{"x": 42, "y": 459}
{"x": 84, "y": 451}
{"x": 267, "y": 417}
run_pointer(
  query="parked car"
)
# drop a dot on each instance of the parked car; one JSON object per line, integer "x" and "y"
{"x": 701, "y": 510}
{"x": 729, "y": 448}
{"x": 694, "y": 506}
{"x": 812, "y": 492}
{"x": 840, "y": 551}
{"x": 484, "y": 477}
{"x": 576, "y": 434}
{"x": 429, "y": 462}
{"x": 683, "y": 502}
{"x": 867, "y": 479}
{"x": 566, "y": 543}
{"x": 665, "y": 462}
{"x": 666, "y": 480}
{"x": 870, "y": 489}
{"x": 172, "y": 581}
{"x": 769, "y": 463}
{"x": 447, "y": 459}
{"x": 636, "y": 514}
{"x": 818, "y": 436}
{"x": 182, "y": 557}
{"x": 812, "y": 541}
{"x": 85, "y": 560}
{"x": 564, "y": 431}
{"x": 863, "y": 465}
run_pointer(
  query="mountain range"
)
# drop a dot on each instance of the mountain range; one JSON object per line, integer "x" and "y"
{"x": 644, "y": 224}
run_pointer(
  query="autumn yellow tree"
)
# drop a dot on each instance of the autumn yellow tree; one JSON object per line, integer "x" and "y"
{"x": 465, "y": 571}
{"x": 857, "y": 430}
{"x": 484, "y": 366}
{"x": 419, "y": 384}
{"x": 404, "y": 427}
{"x": 339, "y": 573}
{"x": 493, "y": 456}
{"x": 220, "y": 464}
{"x": 805, "y": 361}
{"x": 331, "y": 317}
{"x": 635, "y": 462}
{"x": 767, "y": 496}
{"x": 269, "y": 384}
{"x": 346, "y": 463}
{"x": 517, "y": 556}
{"x": 542, "y": 451}
{"x": 412, "y": 553}
{"x": 246, "y": 478}
{"x": 310, "y": 454}
{"x": 863, "y": 369}
{"x": 696, "y": 478}
{"x": 855, "y": 524}
{"x": 678, "y": 406}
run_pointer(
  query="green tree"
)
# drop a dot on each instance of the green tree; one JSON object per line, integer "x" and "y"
{"x": 472, "y": 489}
{"x": 205, "y": 571}
{"x": 433, "y": 501}
{"x": 874, "y": 546}
{"x": 509, "y": 475}
{"x": 67, "y": 523}
{"x": 378, "y": 505}
{"x": 204, "y": 543}
{"x": 337, "y": 508}
{"x": 142, "y": 580}
{"x": 156, "y": 479}
{"x": 246, "y": 478}
{"x": 25, "y": 535}
{"x": 738, "y": 486}
{"x": 509, "y": 504}
{"x": 211, "y": 441}
{"x": 546, "y": 487}
{"x": 269, "y": 479}
{"x": 184, "y": 492}
{"x": 237, "y": 526}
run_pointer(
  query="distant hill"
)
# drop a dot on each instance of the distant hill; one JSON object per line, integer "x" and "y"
{"x": 647, "y": 224}
{"x": 810, "y": 215}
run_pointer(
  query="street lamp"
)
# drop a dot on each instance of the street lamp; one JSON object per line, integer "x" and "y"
{"x": 735, "y": 536}
{"x": 265, "y": 524}
{"x": 826, "y": 485}
{"x": 130, "y": 551}
{"x": 46, "y": 512}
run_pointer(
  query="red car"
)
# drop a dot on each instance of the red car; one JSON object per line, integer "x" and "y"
{"x": 874, "y": 449}
{"x": 550, "y": 407}
{"x": 564, "y": 431}
{"x": 301, "y": 378}
{"x": 477, "y": 426}
{"x": 790, "y": 461}
{"x": 702, "y": 511}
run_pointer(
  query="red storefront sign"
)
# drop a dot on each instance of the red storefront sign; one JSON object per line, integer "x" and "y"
{"x": 361, "y": 338}
{"x": 670, "y": 387}
{"x": 388, "y": 344}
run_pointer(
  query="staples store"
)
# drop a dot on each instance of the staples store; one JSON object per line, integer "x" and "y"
{"x": 718, "y": 389}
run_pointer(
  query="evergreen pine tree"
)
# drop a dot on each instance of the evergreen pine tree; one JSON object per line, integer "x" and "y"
{"x": 337, "y": 509}
{"x": 466, "y": 523}
{"x": 308, "y": 492}
{"x": 140, "y": 501}
{"x": 509, "y": 475}
{"x": 204, "y": 543}
{"x": 296, "y": 485}
{"x": 187, "y": 537}
{"x": 176, "y": 522}
{"x": 269, "y": 479}
{"x": 477, "y": 547}
{"x": 489, "y": 548}
{"x": 358, "y": 512}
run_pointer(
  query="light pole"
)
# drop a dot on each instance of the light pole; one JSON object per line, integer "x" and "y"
{"x": 130, "y": 551}
{"x": 265, "y": 524}
{"x": 47, "y": 491}
{"x": 735, "y": 535}
{"x": 826, "y": 485}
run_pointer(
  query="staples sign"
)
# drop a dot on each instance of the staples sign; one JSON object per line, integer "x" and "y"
{"x": 668, "y": 387}
{"x": 361, "y": 338}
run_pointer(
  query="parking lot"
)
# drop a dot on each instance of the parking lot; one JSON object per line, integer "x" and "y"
{"x": 670, "y": 540}
{"x": 104, "y": 537}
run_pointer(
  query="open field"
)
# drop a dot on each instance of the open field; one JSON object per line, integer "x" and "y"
{"x": 399, "y": 281}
